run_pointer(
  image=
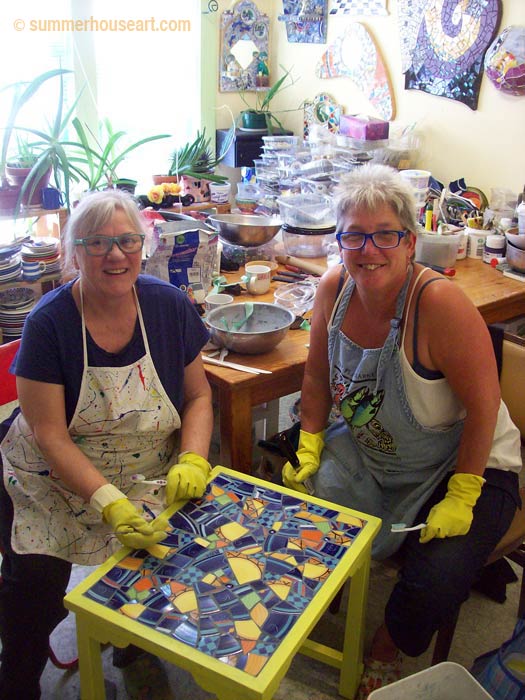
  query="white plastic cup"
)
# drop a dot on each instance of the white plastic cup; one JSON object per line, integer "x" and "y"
{"x": 212, "y": 301}
{"x": 257, "y": 279}
{"x": 418, "y": 179}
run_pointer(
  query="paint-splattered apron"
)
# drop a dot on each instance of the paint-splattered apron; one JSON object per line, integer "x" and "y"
{"x": 378, "y": 458}
{"x": 125, "y": 423}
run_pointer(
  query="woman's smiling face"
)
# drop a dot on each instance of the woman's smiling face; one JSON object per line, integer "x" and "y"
{"x": 372, "y": 267}
{"x": 115, "y": 273}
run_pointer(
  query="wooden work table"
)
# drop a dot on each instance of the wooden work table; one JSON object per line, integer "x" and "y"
{"x": 498, "y": 298}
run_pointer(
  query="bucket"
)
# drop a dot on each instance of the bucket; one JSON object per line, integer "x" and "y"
{"x": 445, "y": 681}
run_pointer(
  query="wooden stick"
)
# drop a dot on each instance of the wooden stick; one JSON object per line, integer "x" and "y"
{"x": 305, "y": 265}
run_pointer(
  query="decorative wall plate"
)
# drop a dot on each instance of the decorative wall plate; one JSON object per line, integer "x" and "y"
{"x": 354, "y": 54}
{"x": 323, "y": 110}
{"x": 305, "y": 21}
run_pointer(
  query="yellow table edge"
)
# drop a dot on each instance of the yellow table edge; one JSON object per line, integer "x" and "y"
{"x": 197, "y": 662}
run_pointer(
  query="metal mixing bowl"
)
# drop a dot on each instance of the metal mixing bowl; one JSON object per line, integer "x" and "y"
{"x": 515, "y": 257}
{"x": 245, "y": 230}
{"x": 265, "y": 328}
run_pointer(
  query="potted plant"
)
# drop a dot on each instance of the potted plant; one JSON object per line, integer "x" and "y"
{"x": 22, "y": 91}
{"x": 192, "y": 165}
{"x": 260, "y": 116}
{"x": 51, "y": 149}
{"x": 18, "y": 169}
{"x": 96, "y": 162}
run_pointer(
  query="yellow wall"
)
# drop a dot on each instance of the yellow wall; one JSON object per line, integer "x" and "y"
{"x": 486, "y": 146}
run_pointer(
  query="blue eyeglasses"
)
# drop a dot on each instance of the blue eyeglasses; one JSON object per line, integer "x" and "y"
{"x": 350, "y": 240}
{"x": 101, "y": 245}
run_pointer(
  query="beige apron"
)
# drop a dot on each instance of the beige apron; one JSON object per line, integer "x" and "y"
{"x": 125, "y": 423}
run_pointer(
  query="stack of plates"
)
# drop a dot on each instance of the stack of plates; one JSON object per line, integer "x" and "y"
{"x": 44, "y": 250}
{"x": 15, "y": 305}
{"x": 10, "y": 263}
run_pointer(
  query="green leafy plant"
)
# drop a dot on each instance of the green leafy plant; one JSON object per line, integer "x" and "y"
{"x": 96, "y": 162}
{"x": 263, "y": 100}
{"x": 51, "y": 147}
{"x": 196, "y": 159}
{"x": 22, "y": 92}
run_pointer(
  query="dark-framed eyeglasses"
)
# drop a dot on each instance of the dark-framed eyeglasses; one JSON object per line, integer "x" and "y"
{"x": 350, "y": 240}
{"x": 101, "y": 245}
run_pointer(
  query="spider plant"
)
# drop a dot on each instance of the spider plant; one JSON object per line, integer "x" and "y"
{"x": 95, "y": 162}
{"x": 263, "y": 100}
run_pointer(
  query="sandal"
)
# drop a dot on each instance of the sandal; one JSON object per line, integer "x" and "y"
{"x": 376, "y": 674}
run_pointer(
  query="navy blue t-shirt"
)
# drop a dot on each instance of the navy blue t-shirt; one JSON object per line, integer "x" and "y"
{"x": 51, "y": 347}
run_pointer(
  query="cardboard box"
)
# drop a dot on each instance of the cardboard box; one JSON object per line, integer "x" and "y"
{"x": 187, "y": 259}
{"x": 361, "y": 126}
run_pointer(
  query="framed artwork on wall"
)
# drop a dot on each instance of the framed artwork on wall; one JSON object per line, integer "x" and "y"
{"x": 305, "y": 21}
{"x": 243, "y": 58}
{"x": 358, "y": 7}
{"x": 355, "y": 55}
{"x": 452, "y": 37}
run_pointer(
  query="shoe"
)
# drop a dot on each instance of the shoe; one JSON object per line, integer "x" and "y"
{"x": 378, "y": 674}
{"x": 123, "y": 657}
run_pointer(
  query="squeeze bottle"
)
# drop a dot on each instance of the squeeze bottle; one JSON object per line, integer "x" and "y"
{"x": 520, "y": 211}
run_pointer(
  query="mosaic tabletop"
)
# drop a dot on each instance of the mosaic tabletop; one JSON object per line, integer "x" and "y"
{"x": 237, "y": 569}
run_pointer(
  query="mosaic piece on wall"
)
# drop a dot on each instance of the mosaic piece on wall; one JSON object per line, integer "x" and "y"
{"x": 305, "y": 21}
{"x": 322, "y": 110}
{"x": 243, "y": 60}
{"x": 237, "y": 569}
{"x": 359, "y": 7}
{"x": 448, "y": 57}
{"x": 354, "y": 54}
{"x": 409, "y": 13}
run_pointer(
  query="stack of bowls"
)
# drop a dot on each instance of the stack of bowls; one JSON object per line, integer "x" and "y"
{"x": 515, "y": 249}
{"x": 418, "y": 181}
{"x": 10, "y": 262}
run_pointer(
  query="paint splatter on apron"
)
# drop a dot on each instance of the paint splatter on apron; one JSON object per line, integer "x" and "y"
{"x": 125, "y": 423}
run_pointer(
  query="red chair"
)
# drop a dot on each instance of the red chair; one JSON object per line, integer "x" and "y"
{"x": 8, "y": 394}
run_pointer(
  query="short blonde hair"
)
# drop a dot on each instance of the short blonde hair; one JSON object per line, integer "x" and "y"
{"x": 371, "y": 186}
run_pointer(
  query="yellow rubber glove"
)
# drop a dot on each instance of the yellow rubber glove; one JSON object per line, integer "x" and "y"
{"x": 309, "y": 455}
{"x": 453, "y": 515}
{"x": 187, "y": 478}
{"x": 130, "y": 527}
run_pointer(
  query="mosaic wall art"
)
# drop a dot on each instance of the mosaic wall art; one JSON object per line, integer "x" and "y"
{"x": 305, "y": 21}
{"x": 452, "y": 37}
{"x": 322, "y": 110}
{"x": 243, "y": 60}
{"x": 358, "y": 7}
{"x": 237, "y": 569}
{"x": 354, "y": 54}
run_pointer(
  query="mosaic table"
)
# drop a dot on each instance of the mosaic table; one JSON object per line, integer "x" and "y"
{"x": 233, "y": 592}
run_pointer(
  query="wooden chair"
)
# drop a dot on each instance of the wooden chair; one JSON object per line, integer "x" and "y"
{"x": 7, "y": 395}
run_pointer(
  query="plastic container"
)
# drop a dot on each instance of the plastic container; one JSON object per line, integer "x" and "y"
{"x": 445, "y": 681}
{"x": 418, "y": 179}
{"x": 476, "y": 241}
{"x": 435, "y": 249}
{"x": 280, "y": 143}
{"x": 520, "y": 211}
{"x": 307, "y": 243}
{"x": 307, "y": 211}
{"x": 494, "y": 248}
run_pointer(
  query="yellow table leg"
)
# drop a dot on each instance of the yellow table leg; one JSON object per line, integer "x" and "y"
{"x": 89, "y": 663}
{"x": 352, "y": 662}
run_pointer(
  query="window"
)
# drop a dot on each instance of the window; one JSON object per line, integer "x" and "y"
{"x": 138, "y": 65}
